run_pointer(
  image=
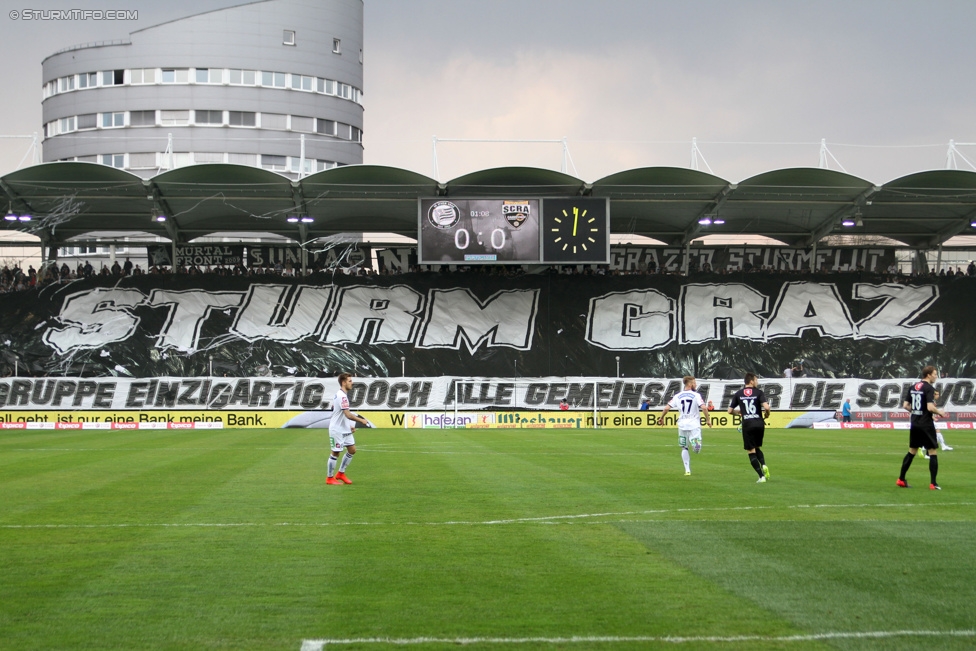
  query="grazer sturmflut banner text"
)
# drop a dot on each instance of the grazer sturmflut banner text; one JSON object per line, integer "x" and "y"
{"x": 487, "y": 325}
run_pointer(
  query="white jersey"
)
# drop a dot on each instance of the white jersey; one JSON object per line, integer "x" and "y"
{"x": 688, "y": 404}
{"x": 339, "y": 423}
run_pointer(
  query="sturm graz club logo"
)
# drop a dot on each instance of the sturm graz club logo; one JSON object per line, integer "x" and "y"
{"x": 443, "y": 214}
{"x": 516, "y": 212}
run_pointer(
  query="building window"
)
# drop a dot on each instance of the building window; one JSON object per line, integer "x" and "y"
{"x": 274, "y": 163}
{"x": 176, "y": 75}
{"x": 142, "y": 118}
{"x": 113, "y": 77}
{"x": 181, "y": 159}
{"x": 243, "y": 159}
{"x": 209, "y": 75}
{"x": 242, "y": 119}
{"x": 355, "y": 134}
{"x": 273, "y": 79}
{"x": 208, "y": 117}
{"x": 174, "y": 118}
{"x": 294, "y": 163}
{"x": 114, "y": 160}
{"x": 88, "y": 80}
{"x": 302, "y": 82}
{"x": 242, "y": 77}
{"x": 142, "y": 76}
{"x": 299, "y": 123}
{"x": 66, "y": 83}
{"x": 208, "y": 157}
{"x": 326, "y": 127}
{"x": 142, "y": 160}
{"x": 66, "y": 125}
{"x": 274, "y": 121}
{"x": 321, "y": 165}
{"x": 345, "y": 90}
{"x": 288, "y": 38}
{"x": 112, "y": 120}
{"x": 337, "y": 46}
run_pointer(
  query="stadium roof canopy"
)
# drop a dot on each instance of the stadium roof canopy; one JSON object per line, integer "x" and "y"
{"x": 796, "y": 206}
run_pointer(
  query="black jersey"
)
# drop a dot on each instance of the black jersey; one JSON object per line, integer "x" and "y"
{"x": 750, "y": 401}
{"x": 918, "y": 398}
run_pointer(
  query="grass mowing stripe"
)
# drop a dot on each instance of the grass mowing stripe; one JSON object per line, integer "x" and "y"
{"x": 319, "y": 645}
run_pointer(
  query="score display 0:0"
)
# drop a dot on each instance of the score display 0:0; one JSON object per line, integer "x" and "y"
{"x": 467, "y": 238}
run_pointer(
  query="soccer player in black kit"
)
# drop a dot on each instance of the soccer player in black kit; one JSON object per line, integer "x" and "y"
{"x": 750, "y": 401}
{"x": 920, "y": 401}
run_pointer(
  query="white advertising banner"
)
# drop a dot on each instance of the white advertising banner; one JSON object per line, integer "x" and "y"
{"x": 869, "y": 399}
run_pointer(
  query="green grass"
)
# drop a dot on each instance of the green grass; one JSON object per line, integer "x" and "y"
{"x": 108, "y": 540}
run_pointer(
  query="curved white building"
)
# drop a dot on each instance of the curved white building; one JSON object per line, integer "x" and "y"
{"x": 275, "y": 84}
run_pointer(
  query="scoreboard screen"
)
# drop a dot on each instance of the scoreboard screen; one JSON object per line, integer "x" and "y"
{"x": 479, "y": 231}
{"x": 514, "y": 231}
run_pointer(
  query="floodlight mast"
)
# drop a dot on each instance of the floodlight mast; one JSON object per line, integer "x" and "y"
{"x": 951, "y": 163}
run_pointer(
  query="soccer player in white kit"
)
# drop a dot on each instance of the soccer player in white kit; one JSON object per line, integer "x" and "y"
{"x": 341, "y": 429}
{"x": 688, "y": 403}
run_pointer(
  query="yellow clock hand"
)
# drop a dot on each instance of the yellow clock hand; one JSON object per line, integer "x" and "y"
{"x": 575, "y": 219}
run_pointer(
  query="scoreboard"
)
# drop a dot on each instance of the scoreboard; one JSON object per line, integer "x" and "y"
{"x": 514, "y": 231}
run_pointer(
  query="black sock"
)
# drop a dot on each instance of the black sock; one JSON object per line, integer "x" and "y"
{"x": 754, "y": 460}
{"x": 934, "y": 467}
{"x": 761, "y": 456}
{"x": 905, "y": 464}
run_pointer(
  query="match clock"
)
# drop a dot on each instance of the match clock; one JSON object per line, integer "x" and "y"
{"x": 575, "y": 231}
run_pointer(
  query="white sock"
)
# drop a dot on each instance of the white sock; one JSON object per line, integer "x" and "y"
{"x": 346, "y": 459}
{"x": 686, "y": 457}
{"x": 942, "y": 442}
{"x": 332, "y": 465}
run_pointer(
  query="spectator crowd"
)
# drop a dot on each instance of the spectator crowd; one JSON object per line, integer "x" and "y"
{"x": 15, "y": 279}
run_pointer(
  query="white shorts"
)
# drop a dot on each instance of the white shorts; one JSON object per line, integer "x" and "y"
{"x": 339, "y": 440}
{"x": 686, "y": 436}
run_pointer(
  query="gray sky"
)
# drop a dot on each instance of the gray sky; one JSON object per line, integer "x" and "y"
{"x": 629, "y": 83}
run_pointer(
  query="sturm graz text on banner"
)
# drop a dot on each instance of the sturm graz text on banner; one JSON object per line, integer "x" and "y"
{"x": 832, "y": 326}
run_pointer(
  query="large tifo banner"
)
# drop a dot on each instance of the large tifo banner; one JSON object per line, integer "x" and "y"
{"x": 489, "y": 325}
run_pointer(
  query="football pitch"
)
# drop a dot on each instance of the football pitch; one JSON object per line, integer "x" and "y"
{"x": 493, "y": 539}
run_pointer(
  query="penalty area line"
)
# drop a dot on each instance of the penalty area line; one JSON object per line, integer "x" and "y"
{"x": 319, "y": 645}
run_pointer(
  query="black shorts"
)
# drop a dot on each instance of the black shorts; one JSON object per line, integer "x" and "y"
{"x": 923, "y": 437}
{"x": 752, "y": 436}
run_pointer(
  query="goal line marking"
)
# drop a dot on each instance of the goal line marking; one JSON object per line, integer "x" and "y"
{"x": 319, "y": 645}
